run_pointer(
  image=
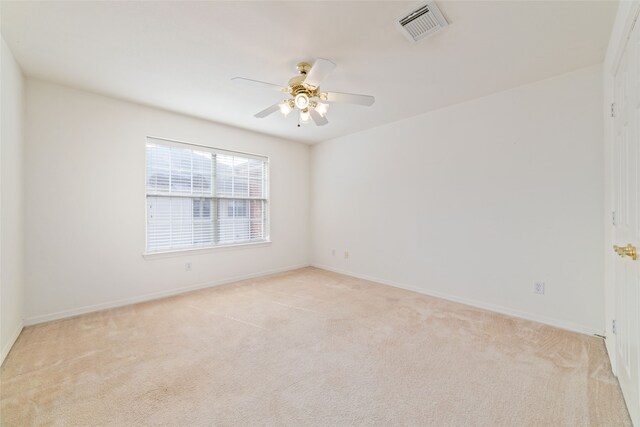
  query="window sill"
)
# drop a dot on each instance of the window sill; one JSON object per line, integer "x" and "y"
{"x": 198, "y": 251}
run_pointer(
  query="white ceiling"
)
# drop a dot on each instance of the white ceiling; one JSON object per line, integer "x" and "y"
{"x": 181, "y": 55}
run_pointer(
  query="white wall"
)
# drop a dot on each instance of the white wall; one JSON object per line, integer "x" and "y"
{"x": 85, "y": 203}
{"x": 476, "y": 201}
{"x": 473, "y": 202}
{"x": 11, "y": 201}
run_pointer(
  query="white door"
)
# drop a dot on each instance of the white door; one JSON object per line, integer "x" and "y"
{"x": 626, "y": 230}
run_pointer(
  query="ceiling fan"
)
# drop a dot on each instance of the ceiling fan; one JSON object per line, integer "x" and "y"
{"x": 306, "y": 95}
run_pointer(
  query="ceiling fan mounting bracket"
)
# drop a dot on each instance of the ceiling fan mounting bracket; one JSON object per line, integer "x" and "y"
{"x": 303, "y": 68}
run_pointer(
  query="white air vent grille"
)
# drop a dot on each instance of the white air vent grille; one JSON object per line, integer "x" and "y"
{"x": 422, "y": 22}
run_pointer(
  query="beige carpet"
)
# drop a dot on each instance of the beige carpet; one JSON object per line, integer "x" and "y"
{"x": 308, "y": 347}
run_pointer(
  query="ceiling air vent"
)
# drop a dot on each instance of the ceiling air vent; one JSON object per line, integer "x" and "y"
{"x": 422, "y": 22}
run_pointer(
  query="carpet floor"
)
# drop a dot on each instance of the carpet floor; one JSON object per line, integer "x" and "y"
{"x": 305, "y": 348}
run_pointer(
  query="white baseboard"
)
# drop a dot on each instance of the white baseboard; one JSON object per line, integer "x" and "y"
{"x": 33, "y": 320}
{"x": 7, "y": 347}
{"x": 558, "y": 323}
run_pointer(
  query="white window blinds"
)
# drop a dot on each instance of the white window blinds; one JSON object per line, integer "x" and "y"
{"x": 200, "y": 197}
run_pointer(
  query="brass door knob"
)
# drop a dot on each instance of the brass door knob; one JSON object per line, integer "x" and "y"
{"x": 618, "y": 250}
{"x": 629, "y": 250}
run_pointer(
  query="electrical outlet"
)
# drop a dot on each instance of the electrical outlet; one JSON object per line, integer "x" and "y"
{"x": 346, "y": 254}
{"x": 333, "y": 252}
{"x": 187, "y": 266}
{"x": 538, "y": 288}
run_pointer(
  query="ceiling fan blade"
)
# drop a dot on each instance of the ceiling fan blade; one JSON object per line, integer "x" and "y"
{"x": 320, "y": 70}
{"x": 318, "y": 118}
{"x": 259, "y": 84}
{"x": 350, "y": 98}
{"x": 264, "y": 113}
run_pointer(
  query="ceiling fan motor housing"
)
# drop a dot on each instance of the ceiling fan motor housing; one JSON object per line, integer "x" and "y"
{"x": 297, "y": 86}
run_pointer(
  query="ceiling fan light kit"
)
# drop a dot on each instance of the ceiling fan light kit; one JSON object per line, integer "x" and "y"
{"x": 321, "y": 108}
{"x": 286, "y": 106}
{"x": 305, "y": 93}
{"x": 302, "y": 101}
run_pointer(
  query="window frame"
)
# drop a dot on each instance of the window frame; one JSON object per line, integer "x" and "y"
{"x": 214, "y": 247}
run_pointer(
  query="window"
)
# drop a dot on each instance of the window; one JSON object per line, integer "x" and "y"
{"x": 201, "y": 197}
